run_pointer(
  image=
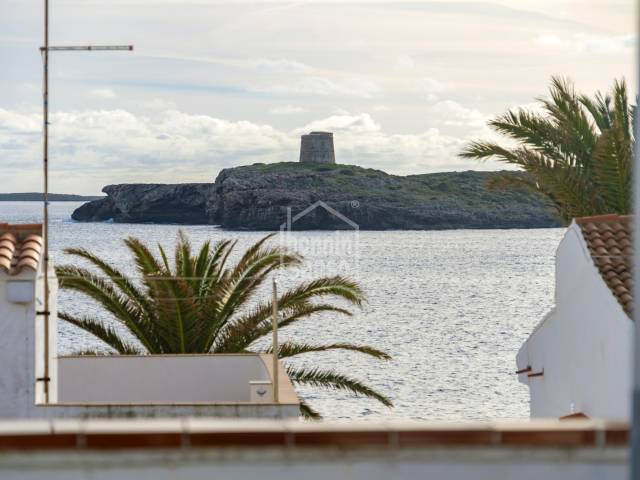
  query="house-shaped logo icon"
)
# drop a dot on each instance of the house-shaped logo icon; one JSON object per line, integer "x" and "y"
{"x": 331, "y": 253}
{"x": 292, "y": 219}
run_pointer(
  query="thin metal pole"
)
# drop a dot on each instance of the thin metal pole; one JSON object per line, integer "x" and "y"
{"x": 45, "y": 199}
{"x": 635, "y": 399}
{"x": 274, "y": 347}
{"x": 45, "y": 49}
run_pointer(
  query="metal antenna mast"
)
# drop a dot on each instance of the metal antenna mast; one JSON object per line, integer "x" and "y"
{"x": 45, "y": 160}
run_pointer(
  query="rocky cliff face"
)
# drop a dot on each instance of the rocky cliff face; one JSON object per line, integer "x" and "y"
{"x": 148, "y": 203}
{"x": 260, "y": 197}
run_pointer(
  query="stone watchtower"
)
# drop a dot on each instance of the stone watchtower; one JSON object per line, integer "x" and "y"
{"x": 317, "y": 147}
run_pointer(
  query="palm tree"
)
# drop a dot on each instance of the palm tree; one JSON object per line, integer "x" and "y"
{"x": 578, "y": 151}
{"x": 202, "y": 305}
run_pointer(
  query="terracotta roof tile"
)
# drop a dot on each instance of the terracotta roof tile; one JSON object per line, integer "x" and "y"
{"x": 20, "y": 247}
{"x": 608, "y": 238}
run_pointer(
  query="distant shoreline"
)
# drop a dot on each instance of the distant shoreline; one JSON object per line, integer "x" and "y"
{"x": 53, "y": 197}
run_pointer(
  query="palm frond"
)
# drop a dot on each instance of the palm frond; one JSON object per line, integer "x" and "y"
{"x": 103, "y": 292}
{"x": 183, "y": 261}
{"x": 238, "y": 335}
{"x": 146, "y": 262}
{"x": 117, "y": 277}
{"x": 577, "y": 153}
{"x": 107, "y": 334}
{"x": 335, "y": 381}
{"x": 289, "y": 349}
{"x": 307, "y": 412}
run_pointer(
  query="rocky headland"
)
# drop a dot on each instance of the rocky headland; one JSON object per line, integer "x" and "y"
{"x": 259, "y": 196}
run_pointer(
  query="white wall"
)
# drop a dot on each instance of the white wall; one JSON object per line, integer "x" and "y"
{"x": 158, "y": 379}
{"x": 19, "y": 365}
{"x": 16, "y": 377}
{"x": 321, "y": 464}
{"x": 583, "y": 345}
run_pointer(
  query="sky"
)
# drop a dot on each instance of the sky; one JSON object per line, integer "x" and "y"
{"x": 404, "y": 85}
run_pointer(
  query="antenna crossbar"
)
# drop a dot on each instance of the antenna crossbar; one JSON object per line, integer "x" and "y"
{"x": 88, "y": 48}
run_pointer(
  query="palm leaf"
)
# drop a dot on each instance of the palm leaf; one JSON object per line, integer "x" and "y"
{"x": 107, "y": 334}
{"x": 123, "y": 309}
{"x": 289, "y": 349}
{"x": 118, "y": 278}
{"x": 335, "y": 381}
{"x": 577, "y": 153}
{"x": 307, "y": 412}
{"x": 239, "y": 335}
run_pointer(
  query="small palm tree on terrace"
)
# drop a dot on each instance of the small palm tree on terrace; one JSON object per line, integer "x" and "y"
{"x": 201, "y": 305}
{"x": 578, "y": 150}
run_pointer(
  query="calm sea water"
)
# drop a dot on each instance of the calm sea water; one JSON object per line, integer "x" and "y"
{"x": 452, "y": 307}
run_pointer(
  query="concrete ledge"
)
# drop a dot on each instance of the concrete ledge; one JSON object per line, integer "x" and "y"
{"x": 209, "y": 433}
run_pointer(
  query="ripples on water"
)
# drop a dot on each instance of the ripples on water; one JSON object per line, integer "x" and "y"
{"x": 452, "y": 307}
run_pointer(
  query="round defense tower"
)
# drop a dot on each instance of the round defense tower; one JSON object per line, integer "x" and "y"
{"x": 317, "y": 147}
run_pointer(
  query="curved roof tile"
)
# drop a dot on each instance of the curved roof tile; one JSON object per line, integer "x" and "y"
{"x": 20, "y": 247}
{"x": 608, "y": 238}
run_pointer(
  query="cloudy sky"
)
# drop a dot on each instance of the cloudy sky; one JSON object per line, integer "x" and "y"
{"x": 213, "y": 84}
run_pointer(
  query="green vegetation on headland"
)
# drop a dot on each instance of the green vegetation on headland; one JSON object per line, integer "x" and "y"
{"x": 38, "y": 197}
{"x": 256, "y": 196}
{"x": 259, "y": 196}
{"x": 578, "y": 150}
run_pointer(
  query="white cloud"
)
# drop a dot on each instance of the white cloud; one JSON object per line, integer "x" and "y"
{"x": 118, "y": 146}
{"x": 430, "y": 88}
{"x": 586, "y": 43}
{"x": 362, "y": 123}
{"x": 531, "y": 107}
{"x": 116, "y": 139}
{"x": 604, "y": 44}
{"x": 280, "y": 65}
{"x": 16, "y": 123}
{"x": 404, "y": 64}
{"x": 360, "y": 140}
{"x": 453, "y": 114}
{"x": 350, "y": 87}
{"x": 549, "y": 40}
{"x": 286, "y": 110}
{"x": 106, "y": 93}
{"x": 159, "y": 104}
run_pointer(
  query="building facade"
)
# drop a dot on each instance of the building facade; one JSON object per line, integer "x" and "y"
{"x": 577, "y": 361}
{"x": 112, "y": 386}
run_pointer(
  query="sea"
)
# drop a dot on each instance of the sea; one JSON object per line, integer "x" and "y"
{"x": 451, "y": 307}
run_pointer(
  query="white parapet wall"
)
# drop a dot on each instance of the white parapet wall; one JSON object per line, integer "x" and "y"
{"x": 22, "y": 339}
{"x": 159, "y": 378}
{"x": 199, "y": 449}
{"x": 149, "y": 386}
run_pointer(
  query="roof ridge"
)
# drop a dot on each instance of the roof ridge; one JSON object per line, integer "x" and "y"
{"x": 602, "y": 218}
